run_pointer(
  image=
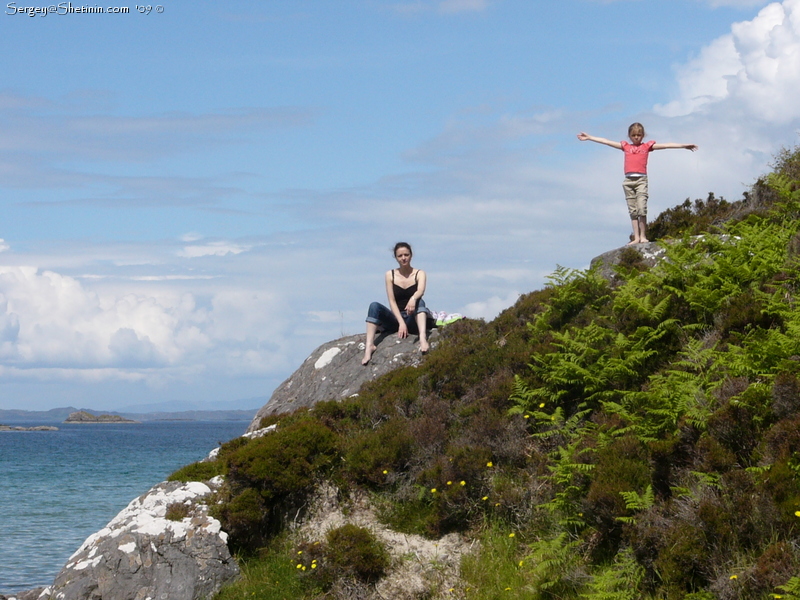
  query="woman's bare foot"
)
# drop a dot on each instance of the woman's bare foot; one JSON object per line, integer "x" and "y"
{"x": 368, "y": 352}
{"x": 644, "y": 241}
{"x": 424, "y": 346}
{"x": 633, "y": 242}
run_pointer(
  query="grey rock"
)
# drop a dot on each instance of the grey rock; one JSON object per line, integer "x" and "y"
{"x": 651, "y": 254}
{"x": 334, "y": 371}
{"x": 143, "y": 555}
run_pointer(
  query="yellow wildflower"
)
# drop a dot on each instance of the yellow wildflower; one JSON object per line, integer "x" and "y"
{"x": 433, "y": 490}
{"x": 511, "y": 535}
{"x": 489, "y": 464}
{"x": 449, "y": 483}
{"x": 734, "y": 577}
{"x": 485, "y": 498}
{"x": 463, "y": 483}
{"x": 541, "y": 405}
{"x": 385, "y": 472}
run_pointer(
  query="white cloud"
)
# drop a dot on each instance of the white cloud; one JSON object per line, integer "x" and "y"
{"x": 490, "y": 308}
{"x": 53, "y": 325}
{"x": 754, "y": 70}
{"x": 4, "y": 246}
{"x": 212, "y": 249}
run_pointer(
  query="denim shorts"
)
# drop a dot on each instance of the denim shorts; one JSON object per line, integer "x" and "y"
{"x": 384, "y": 318}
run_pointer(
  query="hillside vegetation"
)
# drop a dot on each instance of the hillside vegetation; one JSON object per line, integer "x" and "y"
{"x": 640, "y": 441}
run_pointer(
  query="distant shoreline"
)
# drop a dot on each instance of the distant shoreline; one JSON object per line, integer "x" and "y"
{"x": 58, "y": 415}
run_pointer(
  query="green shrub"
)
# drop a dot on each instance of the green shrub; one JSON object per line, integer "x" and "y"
{"x": 199, "y": 471}
{"x": 285, "y": 463}
{"x": 682, "y": 565}
{"x": 373, "y": 456}
{"x": 271, "y": 476}
{"x": 352, "y": 551}
{"x": 621, "y": 467}
{"x": 246, "y": 518}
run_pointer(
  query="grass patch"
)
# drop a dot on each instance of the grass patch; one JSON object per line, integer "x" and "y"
{"x": 498, "y": 569}
{"x": 272, "y": 575}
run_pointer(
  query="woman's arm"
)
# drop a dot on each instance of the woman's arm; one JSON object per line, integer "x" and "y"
{"x": 402, "y": 330}
{"x": 670, "y": 145}
{"x": 585, "y": 137}
{"x": 421, "y": 283}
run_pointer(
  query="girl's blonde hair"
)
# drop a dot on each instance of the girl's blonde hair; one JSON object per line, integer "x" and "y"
{"x": 635, "y": 127}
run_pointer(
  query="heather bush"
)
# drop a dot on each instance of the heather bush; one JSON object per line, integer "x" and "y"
{"x": 271, "y": 476}
{"x": 349, "y": 552}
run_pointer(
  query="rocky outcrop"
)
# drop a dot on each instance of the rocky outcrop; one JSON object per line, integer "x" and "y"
{"x": 163, "y": 545}
{"x": 36, "y": 428}
{"x": 334, "y": 371}
{"x": 83, "y": 416}
{"x": 647, "y": 255}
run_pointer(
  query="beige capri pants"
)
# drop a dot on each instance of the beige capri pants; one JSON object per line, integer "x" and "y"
{"x": 636, "y": 196}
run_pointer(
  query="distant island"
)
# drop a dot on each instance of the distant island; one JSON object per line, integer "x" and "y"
{"x": 37, "y": 428}
{"x": 83, "y": 416}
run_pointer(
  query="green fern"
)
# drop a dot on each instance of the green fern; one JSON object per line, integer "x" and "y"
{"x": 790, "y": 590}
{"x": 621, "y": 580}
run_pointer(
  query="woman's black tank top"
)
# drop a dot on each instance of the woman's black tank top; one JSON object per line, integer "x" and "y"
{"x": 403, "y": 295}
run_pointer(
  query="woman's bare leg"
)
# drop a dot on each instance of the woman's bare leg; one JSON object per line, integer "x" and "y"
{"x": 422, "y": 324}
{"x": 369, "y": 345}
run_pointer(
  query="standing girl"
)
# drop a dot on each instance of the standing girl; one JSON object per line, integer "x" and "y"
{"x": 635, "y": 184}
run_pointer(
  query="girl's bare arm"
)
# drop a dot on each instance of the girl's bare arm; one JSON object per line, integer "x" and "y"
{"x": 585, "y": 137}
{"x": 667, "y": 146}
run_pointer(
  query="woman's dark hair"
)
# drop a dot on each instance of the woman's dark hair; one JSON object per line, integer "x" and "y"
{"x": 399, "y": 245}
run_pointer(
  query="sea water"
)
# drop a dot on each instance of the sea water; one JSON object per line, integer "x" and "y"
{"x": 59, "y": 487}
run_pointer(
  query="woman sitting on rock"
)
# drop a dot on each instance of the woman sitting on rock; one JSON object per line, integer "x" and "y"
{"x": 406, "y": 313}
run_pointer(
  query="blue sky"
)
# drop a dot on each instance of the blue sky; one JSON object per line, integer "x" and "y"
{"x": 194, "y": 199}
